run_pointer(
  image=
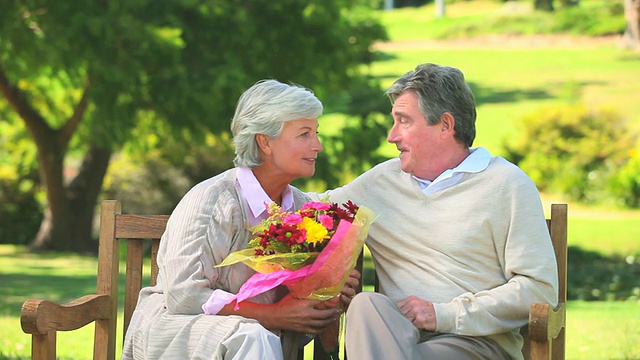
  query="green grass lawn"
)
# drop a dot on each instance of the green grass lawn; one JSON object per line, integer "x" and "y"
{"x": 508, "y": 82}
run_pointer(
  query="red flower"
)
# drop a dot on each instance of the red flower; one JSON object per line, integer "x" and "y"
{"x": 283, "y": 234}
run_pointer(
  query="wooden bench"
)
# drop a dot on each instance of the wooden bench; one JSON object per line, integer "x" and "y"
{"x": 42, "y": 318}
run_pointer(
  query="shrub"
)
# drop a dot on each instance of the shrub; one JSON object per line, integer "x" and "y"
{"x": 595, "y": 277}
{"x": 153, "y": 178}
{"x": 20, "y": 208}
{"x": 572, "y": 150}
{"x": 625, "y": 183}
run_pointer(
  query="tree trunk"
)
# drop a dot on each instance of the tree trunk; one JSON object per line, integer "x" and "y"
{"x": 68, "y": 220}
{"x": 631, "y": 38}
{"x": 83, "y": 194}
{"x": 440, "y": 12}
{"x": 68, "y": 216}
{"x": 544, "y": 5}
{"x": 54, "y": 231}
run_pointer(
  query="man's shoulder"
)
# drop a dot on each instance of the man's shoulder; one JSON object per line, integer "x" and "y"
{"x": 392, "y": 165}
{"x": 299, "y": 197}
{"x": 502, "y": 171}
{"x": 500, "y": 164}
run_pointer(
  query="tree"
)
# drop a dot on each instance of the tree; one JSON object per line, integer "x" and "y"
{"x": 631, "y": 38}
{"x": 544, "y": 5}
{"x": 82, "y": 75}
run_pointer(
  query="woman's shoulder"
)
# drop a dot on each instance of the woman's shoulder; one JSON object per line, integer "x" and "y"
{"x": 221, "y": 182}
{"x": 218, "y": 190}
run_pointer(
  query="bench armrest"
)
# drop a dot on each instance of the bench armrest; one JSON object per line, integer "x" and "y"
{"x": 545, "y": 322}
{"x": 42, "y": 316}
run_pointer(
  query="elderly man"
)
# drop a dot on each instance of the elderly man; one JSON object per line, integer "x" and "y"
{"x": 460, "y": 245}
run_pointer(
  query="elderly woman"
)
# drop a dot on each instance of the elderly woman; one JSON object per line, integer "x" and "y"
{"x": 275, "y": 135}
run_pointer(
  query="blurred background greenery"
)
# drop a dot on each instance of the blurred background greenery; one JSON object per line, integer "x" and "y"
{"x": 132, "y": 101}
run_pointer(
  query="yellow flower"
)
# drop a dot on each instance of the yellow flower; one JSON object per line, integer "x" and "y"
{"x": 315, "y": 231}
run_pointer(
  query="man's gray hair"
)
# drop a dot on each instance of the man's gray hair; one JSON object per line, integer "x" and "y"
{"x": 440, "y": 89}
{"x": 263, "y": 109}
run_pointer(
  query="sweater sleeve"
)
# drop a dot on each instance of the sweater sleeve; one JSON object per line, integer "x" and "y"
{"x": 526, "y": 254}
{"x": 200, "y": 232}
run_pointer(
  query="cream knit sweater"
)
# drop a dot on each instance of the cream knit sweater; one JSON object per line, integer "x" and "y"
{"x": 479, "y": 250}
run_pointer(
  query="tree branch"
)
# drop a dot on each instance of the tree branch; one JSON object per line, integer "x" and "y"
{"x": 72, "y": 123}
{"x": 35, "y": 123}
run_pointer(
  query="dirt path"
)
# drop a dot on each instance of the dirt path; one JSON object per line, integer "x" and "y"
{"x": 505, "y": 41}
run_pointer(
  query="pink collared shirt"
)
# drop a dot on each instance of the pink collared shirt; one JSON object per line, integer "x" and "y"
{"x": 255, "y": 199}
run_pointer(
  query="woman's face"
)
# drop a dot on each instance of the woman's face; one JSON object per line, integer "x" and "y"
{"x": 294, "y": 152}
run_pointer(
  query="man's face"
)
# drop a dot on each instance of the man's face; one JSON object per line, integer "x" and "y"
{"x": 418, "y": 142}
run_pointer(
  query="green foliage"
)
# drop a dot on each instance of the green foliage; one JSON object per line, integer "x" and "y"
{"x": 179, "y": 59}
{"x": 595, "y": 277}
{"x": 20, "y": 210}
{"x": 477, "y": 18}
{"x": 153, "y": 175}
{"x": 94, "y": 72}
{"x": 571, "y": 150}
{"x": 625, "y": 183}
{"x": 591, "y": 19}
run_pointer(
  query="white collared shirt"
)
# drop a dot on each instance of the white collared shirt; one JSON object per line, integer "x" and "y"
{"x": 477, "y": 161}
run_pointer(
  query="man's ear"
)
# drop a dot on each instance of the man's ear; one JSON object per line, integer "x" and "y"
{"x": 264, "y": 143}
{"x": 447, "y": 122}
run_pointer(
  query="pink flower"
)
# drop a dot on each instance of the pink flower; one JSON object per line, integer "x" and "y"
{"x": 293, "y": 219}
{"x": 326, "y": 221}
{"x": 316, "y": 205}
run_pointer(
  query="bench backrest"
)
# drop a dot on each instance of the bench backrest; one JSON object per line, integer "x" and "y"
{"x": 134, "y": 229}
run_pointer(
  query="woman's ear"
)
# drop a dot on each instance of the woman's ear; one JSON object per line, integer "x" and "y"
{"x": 264, "y": 143}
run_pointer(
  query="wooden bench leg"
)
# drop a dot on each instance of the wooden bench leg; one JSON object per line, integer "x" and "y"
{"x": 540, "y": 350}
{"x": 43, "y": 346}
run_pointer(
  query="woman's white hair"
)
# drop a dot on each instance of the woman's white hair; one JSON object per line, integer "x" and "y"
{"x": 263, "y": 109}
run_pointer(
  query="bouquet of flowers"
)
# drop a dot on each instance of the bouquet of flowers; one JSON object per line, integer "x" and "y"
{"x": 311, "y": 251}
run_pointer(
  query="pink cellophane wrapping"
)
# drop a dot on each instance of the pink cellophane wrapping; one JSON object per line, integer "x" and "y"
{"x": 325, "y": 277}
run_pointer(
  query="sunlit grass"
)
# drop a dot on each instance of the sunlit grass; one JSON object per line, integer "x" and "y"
{"x": 603, "y": 330}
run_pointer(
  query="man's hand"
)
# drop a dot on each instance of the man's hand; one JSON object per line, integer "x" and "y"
{"x": 420, "y": 312}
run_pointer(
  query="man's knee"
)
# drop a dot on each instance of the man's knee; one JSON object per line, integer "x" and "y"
{"x": 368, "y": 299}
{"x": 366, "y": 305}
